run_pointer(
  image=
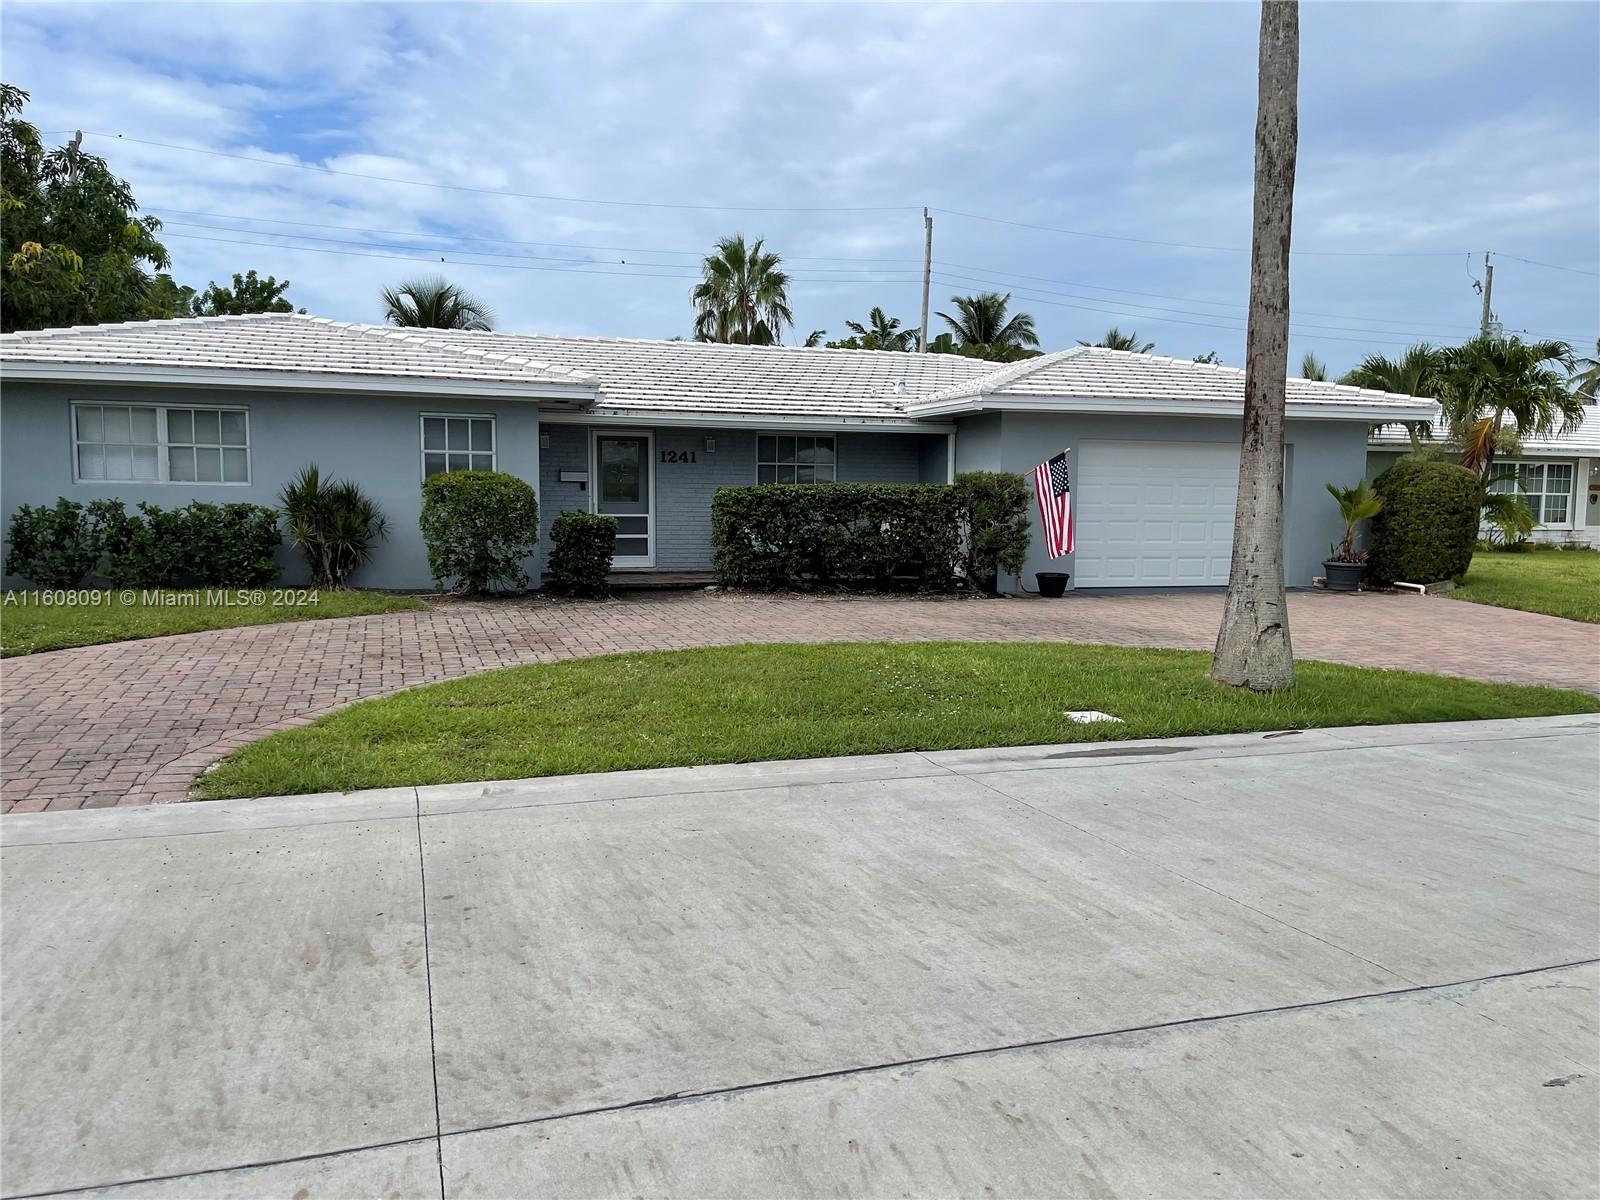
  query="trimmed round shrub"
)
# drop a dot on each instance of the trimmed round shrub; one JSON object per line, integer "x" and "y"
{"x": 581, "y": 545}
{"x": 480, "y": 527}
{"x": 1429, "y": 523}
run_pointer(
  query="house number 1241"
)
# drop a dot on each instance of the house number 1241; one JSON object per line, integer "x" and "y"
{"x": 677, "y": 456}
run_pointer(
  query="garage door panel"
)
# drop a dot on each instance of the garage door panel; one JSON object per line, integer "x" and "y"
{"x": 1154, "y": 514}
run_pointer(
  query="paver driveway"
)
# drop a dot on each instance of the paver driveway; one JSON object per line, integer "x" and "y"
{"x": 134, "y": 722}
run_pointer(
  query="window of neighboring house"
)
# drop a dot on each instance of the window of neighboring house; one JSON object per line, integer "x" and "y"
{"x": 158, "y": 443}
{"x": 1547, "y": 487}
{"x": 806, "y": 458}
{"x": 457, "y": 444}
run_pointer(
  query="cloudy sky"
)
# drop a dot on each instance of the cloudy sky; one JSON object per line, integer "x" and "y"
{"x": 581, "y": 158}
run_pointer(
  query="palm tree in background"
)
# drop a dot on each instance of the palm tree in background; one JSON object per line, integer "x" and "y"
{"x": 1483, "y": 382}
{"x": 1312, "y": 367}
{"x": 435, "y": 303}
{"x": 881, "y": 332}
{"x": 984, "y": 331}
{"x": 1115, "y": 339}
{"x": 742, "y": 296}
{"x": 1414, "y": 373}
{"x": 1586, "y": 376}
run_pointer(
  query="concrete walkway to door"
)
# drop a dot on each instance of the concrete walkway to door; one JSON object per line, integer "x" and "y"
{"x": 134, "y": 722}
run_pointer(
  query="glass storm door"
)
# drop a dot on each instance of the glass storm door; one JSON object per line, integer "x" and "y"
{"x": 624, "y": 490}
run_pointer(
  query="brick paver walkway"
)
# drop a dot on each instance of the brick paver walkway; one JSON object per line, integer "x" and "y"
{"x": 133, "y": 723}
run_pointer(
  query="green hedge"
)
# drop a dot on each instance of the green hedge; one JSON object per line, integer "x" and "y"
{"x": 198, "y": 545}
{"x": 1429, "y": 523}
{"x": 581, "y": 545}
{"x": 479, "y": 526}
{"x": 860, "y": 535}
{"x": 995, "y": 508}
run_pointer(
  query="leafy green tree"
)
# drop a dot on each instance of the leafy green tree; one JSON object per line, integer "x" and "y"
{"x": 1115, "y": 339}
{"x": 166, "y": 298}
{"x": 72, "y": 249}
{"x": 1484, "y": 382}
{"x": 1312, "y": 367}
{"x": 983, "y": 329}
{"x": 742, "y": 296}
{"x": 881, "y": 332}
{"x": 432, "y": 303}
{"x": 1586, "y": 376}
{"x": 1210, "y": 358}
{"x": 248, "y": 294}
{"x": 1415, "y": 373}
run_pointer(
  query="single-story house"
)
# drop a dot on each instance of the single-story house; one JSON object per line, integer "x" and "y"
{"x": 1559, "y": 477}
{"x": 230, "y": 408}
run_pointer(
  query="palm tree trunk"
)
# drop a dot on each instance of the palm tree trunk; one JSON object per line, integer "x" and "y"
{"x": 1253, "y": 647}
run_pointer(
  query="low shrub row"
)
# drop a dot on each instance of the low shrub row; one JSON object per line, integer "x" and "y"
{"x": 198, "y": 545}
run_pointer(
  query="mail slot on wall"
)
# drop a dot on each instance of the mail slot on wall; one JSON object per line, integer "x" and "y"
{"x": 581, "y": 478}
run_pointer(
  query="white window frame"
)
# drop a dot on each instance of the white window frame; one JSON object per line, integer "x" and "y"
{"x": 832, "y": 437}
{"x": 422, "y": 435}
{"x": 1544, "y": 465}
{"x": 162, "y": 443}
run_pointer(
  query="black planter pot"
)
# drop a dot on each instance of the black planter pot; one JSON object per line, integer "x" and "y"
{"x": 1052, "y": 584}
{"x": 989, "y": 585}
{"x": 1343, "y": 576}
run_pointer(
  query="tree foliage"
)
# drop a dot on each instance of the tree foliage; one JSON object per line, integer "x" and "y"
{"x": 1415, "y": 373}
{"x": 249, "y": 294}
{"x": 435, "y": 303}
{"x": 982, "y": 328}
{"x": 881, "y": 332}
{"x": 73, "y": 250}
{"x": 743, "y": 295}
{"x": 1483, "y": 383}
{"x": 1115, "y": 339}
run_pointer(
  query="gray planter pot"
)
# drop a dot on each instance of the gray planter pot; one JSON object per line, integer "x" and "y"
{"x": 1343, "y": 576}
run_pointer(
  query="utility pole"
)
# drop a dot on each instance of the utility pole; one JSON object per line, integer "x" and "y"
{"x": 927, "y": 275}
{"x": 1488, "y": 290}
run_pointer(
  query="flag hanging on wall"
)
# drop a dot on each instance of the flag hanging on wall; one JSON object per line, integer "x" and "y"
{"x": 1054, "y": 490}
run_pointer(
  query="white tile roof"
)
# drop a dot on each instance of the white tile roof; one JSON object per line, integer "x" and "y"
{"x": 663, "y": 376}
{"x": 633, "y": 375}
{"x": 280, "y": 343}
{"x": 1584, "y": 440}
{"x": 1093, "y": 373}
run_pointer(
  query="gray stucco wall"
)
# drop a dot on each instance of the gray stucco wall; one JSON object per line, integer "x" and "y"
{"x": 684, "y": 490}
{"x": 373, "y": 440}
{"x": 1319, "y": 452}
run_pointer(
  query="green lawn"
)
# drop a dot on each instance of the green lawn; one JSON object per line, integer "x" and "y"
{"x": 749, "y": 703}
{"x": 1562, "y": 583}
{"x": 27, "y": 628}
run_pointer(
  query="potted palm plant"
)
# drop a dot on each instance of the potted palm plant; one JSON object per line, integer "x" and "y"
{"x": 1345, "y": 563}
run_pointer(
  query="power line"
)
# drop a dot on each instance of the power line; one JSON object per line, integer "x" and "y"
{"x": 462, "y": 187}
{"x": 496, "y": 240}
{"x": 1549, "y": 266}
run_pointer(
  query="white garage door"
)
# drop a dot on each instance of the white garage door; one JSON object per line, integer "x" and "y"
{"x": 1154, "y": 514}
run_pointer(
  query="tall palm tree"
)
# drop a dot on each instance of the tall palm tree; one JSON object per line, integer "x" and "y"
{"x": 1489, "y": 379}
{"x": 1253, "y": 648}
{"x": 742, "y": 296}
{"x": 1414, "y": 373}
{"x": 1586, "y": 376}
{"x": 882, "y": 332}
{"x": 983, "y": 328}
{"x": 435, "y": 303}
{"x": 1312, "y": 367}
{"x": 1115, "y": 339}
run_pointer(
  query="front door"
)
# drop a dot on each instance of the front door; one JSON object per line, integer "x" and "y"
{"x": 624, "y": 490}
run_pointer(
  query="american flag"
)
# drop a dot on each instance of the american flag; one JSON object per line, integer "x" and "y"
{"x": 1054, "y": 489}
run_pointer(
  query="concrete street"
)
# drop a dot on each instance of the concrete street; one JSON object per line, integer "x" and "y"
{"x": 1353, "y": 962}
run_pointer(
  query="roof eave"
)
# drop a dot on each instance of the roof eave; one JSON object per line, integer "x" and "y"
{"x": 1142, "y": 406}
{"x": 298, "y": 381}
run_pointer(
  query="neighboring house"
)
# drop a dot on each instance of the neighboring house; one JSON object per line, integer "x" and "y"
{"x": 1558, "y": 476}
{"x": 229, "y": 408}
